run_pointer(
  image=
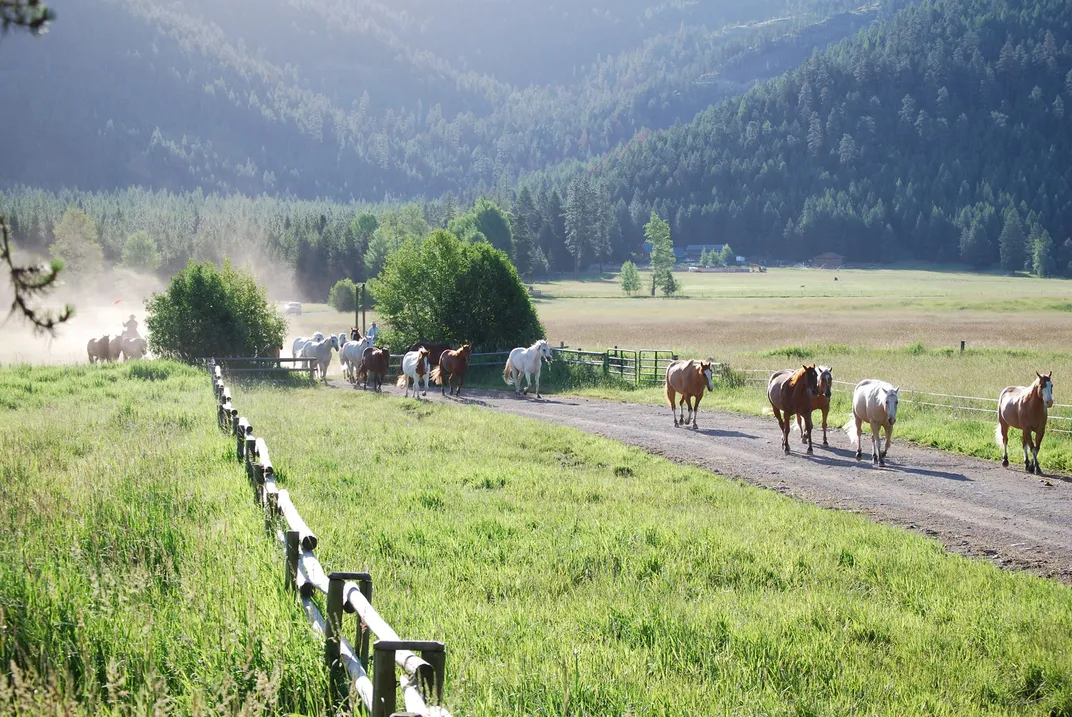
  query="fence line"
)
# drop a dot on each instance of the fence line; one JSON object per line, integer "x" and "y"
{"x": 422, "y": 662}
{"x": 915, "y": 401}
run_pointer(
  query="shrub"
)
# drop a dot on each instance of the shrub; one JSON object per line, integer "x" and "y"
{"x": 342, "y": 296}
{"x": 212, "y": 312}
{"x": 448, "y": 290}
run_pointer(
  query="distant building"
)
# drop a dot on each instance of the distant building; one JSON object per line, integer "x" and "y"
{"x": 829, "y": 260}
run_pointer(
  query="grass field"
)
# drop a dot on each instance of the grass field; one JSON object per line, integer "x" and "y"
{"x": 135, "y": 577}
{"x": 568, "y": 574}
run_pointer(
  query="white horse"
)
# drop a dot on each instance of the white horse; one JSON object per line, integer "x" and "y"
{"x": 350, "y": 357}
{"x": 415, "y": 364}
{"x": 875, "y": 402}
{"x": 134, "y": 347}
{"x": 321, "y": 351}
{"x": 526, "y": 362}
{"x": 299, "y": 344}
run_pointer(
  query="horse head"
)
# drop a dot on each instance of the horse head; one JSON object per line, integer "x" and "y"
{"x": 318, "y": 336}
{"x": 811, "y": 379}
{"x": 335, "y": 342}
{"x": 545, "y": 349}
{"x": 892, "y": 397}
{"x": 826, "y": 380}
{"x": 707, "y": 372}
{"x": 1045, "y": 388}
{"x": 422, "y": 361}
{"x": 466, "y": 350}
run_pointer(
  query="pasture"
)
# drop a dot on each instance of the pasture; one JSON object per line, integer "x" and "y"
{"x": 569, "y": 574}
{"x": 134, "y": 572}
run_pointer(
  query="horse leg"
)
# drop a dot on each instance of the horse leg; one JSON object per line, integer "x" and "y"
{"x": 1036, "y": 446}
{"x": 800, "y": 428}
{"x": 786, "y": 427}
{"x": 889, "y": 438}
{"x": 808, "y": 426}
{"x": 1025, "y": 439}
{"x": 781, "y": 427}
{"x": 538, "y": 381}
{"x": 696, "y": 411}
{"x": 1004, "y": 429}
{"x": 876, "y": 440}
{"x": 825, "y": 411}
{"x": 859, "y": 436}
{"x": 671, "y": 394}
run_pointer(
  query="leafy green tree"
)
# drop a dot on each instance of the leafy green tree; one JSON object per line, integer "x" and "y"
{"x": 657, "y": 231}
{"x": 77, "y": 244}
{"x": 1012, "y": 242}
{"x": 727, "y": 257}
{"x": 444, "y": 289}
{"x": 343, "y": 296}
{"x": 140, "y": 252}
{"x": 1042, "y": 261}
{"x": 629, "y": 278}
{"x": 208, "y": 312}
{"x": 394, "y": 230}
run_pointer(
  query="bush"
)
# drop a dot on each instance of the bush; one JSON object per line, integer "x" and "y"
{"x": 212, "y": 312}
{"x": 451, "y": 291}
{"x": 342, "y": 296}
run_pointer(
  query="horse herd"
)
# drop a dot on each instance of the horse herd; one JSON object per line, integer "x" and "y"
{"x": 424, "y": 360}
{"x": 111, "y": 347}
{"x": 799, "y": 392}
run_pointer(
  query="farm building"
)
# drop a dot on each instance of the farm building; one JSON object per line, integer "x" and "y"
{"x": 829, "y": 260}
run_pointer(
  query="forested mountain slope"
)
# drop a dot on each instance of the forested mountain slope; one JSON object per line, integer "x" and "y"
{"x": 943, "y": 135}
{"x": 371, "y": 98}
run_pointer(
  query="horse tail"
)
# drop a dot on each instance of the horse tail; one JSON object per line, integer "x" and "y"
{"x": 850, "y": 430}
{"x": 401, "y": 382}
{"x": 508, "y": 372}
{"x": 997, "y": 435}
{"x": 437, "y": 376}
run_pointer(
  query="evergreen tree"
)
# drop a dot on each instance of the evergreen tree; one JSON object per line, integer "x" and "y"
{"x": 1012, "y": 242}
{"x": 1043, "y": 262}
{"x": 657, "y": 232}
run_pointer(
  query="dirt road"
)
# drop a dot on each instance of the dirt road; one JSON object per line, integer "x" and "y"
{"x": 974, "y": 507}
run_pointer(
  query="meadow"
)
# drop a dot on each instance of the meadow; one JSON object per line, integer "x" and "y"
{"x": 900, "y": 325}
{"x": 568, "y": 574}
{"x": 135, "y": 576}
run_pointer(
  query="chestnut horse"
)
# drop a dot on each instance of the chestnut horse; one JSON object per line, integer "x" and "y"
{"x": 689, "y": 378}
{"x": 821, "y": 400}
{"x": 374, "y": 361}
{"x": 454, "y": 364}
{"x": 791, "y": 392}
{"x": 1024, "y": 407}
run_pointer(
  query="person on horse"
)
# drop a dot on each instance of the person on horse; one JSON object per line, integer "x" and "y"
{"x": 373, "y": 332}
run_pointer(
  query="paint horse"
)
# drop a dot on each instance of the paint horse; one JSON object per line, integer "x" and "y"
{"x": 790, "y": 393}
{"x": 688, "y": 378}
{"x": 1025, "y": 407}
{"x": 452, "y": 364}
{"x": 415, "y": 365}
{"x": 821, "y": 401}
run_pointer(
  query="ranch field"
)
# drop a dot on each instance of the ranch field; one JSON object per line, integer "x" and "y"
{"x": 569, "y": 574}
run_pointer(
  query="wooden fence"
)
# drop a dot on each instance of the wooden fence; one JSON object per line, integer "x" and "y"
{"x": 421, "y": 663}
{"x": 257, "y": 365}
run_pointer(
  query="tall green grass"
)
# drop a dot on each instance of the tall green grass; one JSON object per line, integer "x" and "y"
{"x": 569, "y": 574}
{"x": 135, "y": 576}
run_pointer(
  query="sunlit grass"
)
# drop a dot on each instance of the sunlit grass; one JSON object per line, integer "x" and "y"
{"x": 570, "y": 574}
{"x": 134, "y": 570}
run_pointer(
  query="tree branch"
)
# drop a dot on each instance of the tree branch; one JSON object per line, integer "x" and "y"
{"x": 33, "y": 15}
{"x": 30, "y": 282}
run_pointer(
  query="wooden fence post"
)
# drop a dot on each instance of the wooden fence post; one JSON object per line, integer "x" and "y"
{"x": 336, "y": 605}
{"x": 291, "y": 541}
{"x": 384, "y": 684}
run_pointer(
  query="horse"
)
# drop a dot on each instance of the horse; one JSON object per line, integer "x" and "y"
{"x": 374, "y": 361}
{"x": 415, "y": 364}
{"x": 791, "y": 392}
{"x": 875, "y": 402}
{"x": 689, "y": 378}
{"x": 435, "y": 350}
{"x": 299, "y": 344}
{"x": 1024, "y": 407}
{"x": 105, "y": 348}
{"x": 133, "y": 347}
{"x": 453, "y": 363}
{"x": 350, "y": 356}
{"x": 355, "y": 335}
{"x": 821, "y": 400}
{"x": 321, "y": 351}
{"x": 526, "y": 361}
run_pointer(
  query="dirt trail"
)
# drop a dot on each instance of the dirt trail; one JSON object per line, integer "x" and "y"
{"x": 974, "y": 507}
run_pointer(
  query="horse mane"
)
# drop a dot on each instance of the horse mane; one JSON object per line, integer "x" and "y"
{"x": 795, "y": 378}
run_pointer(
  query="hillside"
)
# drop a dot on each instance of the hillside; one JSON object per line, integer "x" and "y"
{"x": 369, "y": 99}
{"x": 941, "y": 135}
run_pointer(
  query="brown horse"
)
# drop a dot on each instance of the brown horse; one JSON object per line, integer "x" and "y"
{"x": 689, "y": 378}
{"x": 454, "y": 364}
{"x": 821, "y": 400}
{"x": 1024, "y": 407}
{"x": 374, "y": 361}
{"x": 791, "y": 392}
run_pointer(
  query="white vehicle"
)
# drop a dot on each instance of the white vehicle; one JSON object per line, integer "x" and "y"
{"x": 292, "y": 307}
